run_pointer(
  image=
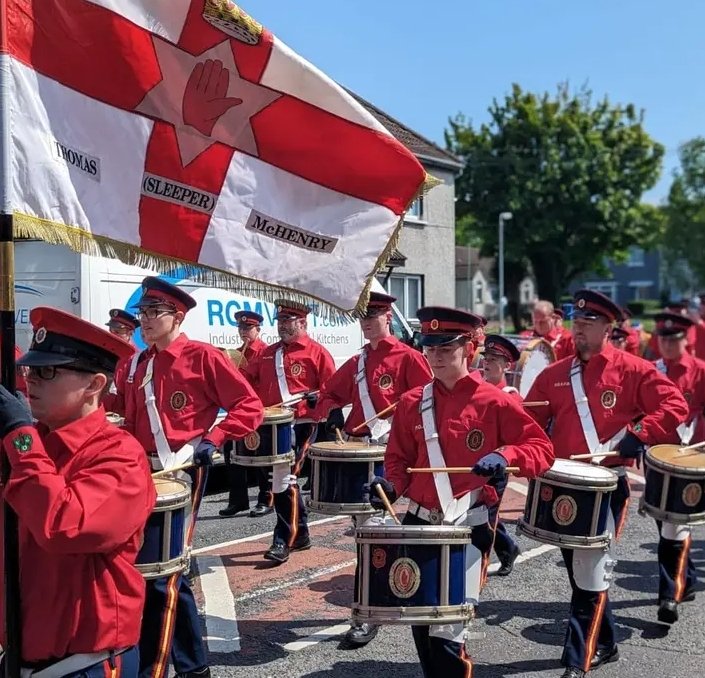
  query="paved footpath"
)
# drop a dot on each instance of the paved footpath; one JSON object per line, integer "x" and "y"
{"x": 263, "y": 620}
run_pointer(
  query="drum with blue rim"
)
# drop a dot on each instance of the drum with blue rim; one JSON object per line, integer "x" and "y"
{"x": 675, "y": 485}
{"x": 569, "y": 505}
{"x": 164, "y": 550}
{"x": 412, "y": 574}
{"x": 339, "y": 470}
{"x": 271, "y": 443}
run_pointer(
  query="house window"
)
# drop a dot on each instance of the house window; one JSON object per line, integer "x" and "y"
{"x": 416, "y": 211}
{"x": 607, "y": 288}
{"x": 641, "y": 289}
{"x": 408, "y": 289}
{"x": 636, "y": 257}
{"x": 479, "y": 293}
{"x": 526, "y": 292}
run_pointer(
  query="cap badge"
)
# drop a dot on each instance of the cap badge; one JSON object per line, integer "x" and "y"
{"x": 177, "y": 400}
{"x": 114, "y": 313}
{"x": 40, "y": 335}
{"x": 385, "y": 382}
{"x": 475, "y": 439}
{"x": 668, "y": 324}
{"x": 581, "y": 303}
{"x": 434, "y": 324}
{"x": 608, "y": 399}
{"x": 490, "y": 344}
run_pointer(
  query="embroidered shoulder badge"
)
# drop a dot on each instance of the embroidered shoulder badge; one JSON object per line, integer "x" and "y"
{"x": 385, "y": 382}
{"x": 177, "y": 400}
{"x": 296, "y": 369}
{"x": 23, "y": 442}
{"x": 475, "y": 439}
{"x": 608, "y": 399}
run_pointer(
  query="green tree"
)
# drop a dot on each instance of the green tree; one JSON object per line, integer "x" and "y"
{"x": 684, "y": 239}
{"x": 571, "y": 171}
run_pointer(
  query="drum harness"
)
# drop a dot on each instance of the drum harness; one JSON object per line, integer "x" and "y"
{"x": 685, "y": 431}
{"x": 379, "y": 432}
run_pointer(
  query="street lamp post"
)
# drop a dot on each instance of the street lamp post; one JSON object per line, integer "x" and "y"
{"x": 504, "y": 216}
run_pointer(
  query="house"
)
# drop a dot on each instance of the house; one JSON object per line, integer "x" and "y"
{"x": 421, "y": 271}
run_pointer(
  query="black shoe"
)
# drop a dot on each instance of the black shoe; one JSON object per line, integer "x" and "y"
{"x": 302, "y": 544}
{"x": 668, "y": 611}
{"x": 201, "y": 673}
{"x": 688, "y": 595}
{"x": 360, "y": 634}
{"x": 604, "y": 657}
{"x": 231, "y": 510}
{"x": 260, "y": 510}
{"x": 278, "y": 552}
{"x": 573, "y": 672}
{"x": 507, "y": 563}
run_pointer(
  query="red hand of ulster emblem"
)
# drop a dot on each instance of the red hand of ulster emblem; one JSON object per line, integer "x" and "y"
{"x": 205, "y": 99}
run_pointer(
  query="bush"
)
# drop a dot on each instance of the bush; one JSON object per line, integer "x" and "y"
{"x": 636, "y": 308}
{"x": 644, "y": 307}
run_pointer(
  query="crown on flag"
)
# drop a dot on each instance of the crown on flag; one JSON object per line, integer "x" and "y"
{"x": 230, "y": 19}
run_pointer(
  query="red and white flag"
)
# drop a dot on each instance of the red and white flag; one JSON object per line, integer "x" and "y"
{"x": 182, "y": 130}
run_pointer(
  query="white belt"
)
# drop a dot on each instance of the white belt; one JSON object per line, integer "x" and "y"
{"x": 475, "y": 516}
{"x": 72, "y": 664}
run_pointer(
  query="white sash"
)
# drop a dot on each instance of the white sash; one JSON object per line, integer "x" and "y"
{"x": 510, "y": 389}
{"x": 167, "y": 458}
{"x": 381, "y": 427}
{"x": 281, "y": 376}
{"x": 685, "y": 431}
{"x": 587, "y": 423}
{"x": 453, "y": 509}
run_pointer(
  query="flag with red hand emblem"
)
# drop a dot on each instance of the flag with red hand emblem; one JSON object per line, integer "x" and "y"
{"x": 167, "y": 131}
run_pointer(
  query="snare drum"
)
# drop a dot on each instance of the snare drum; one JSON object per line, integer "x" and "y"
{"x": 339, "y": 470}
{"x": 568, "y": 506}
{"x": 163, "y": 551}
{"x": 675, "y": 485}
{"x": 411, "y": 574}
{"x": 270, "y": 444}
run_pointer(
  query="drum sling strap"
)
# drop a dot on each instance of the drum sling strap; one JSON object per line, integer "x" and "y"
{"x": 381, "y": 427}
{"x": 587, "y": 423}
{"x": 509, "y": 389}
{"x": 167, "y": 458}
{"x": 454, "y": 510}
{"x": 281, "y": 376}
{"x": 685, "y": 431}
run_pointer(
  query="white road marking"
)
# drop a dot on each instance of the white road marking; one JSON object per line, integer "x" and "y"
{"x": 635, "y": 477}
{"x": 527, "y": 555}
{"x": 223, "y": 634}
{"x": 318, "y": 637}
{"x": 518, "y": 487}
{"x": 322, "y": 572}
{"x": 257, "y": 537}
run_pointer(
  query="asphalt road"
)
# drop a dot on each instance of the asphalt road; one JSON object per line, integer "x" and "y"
{"x": 264, "y": 621}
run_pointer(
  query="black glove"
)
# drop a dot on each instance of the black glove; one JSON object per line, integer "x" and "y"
{"x": 311, "y": 400}
{"x": 491, "y": 465}
{"x": 631, "y": 447}
{"x": 370, "y": 490}
{"x": 335, "y": 420}
{"x": 14, "y": 412}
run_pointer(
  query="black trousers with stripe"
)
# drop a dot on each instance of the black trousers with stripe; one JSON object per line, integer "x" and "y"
{"x": 591, "y": 623}
{"x": 677, "y": 572}
{"x": 238, "y": 494}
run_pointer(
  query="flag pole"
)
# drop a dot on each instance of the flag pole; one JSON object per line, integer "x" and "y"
{"x": 13, "y": 621}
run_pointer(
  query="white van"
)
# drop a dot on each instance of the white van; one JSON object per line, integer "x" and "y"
{"x": 54, "y": 275}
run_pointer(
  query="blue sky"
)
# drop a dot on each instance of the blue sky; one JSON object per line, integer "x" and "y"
{"x": 425, "y": 61}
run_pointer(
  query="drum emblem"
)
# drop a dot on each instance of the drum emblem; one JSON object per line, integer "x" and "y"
{"x": 404, "y": 578}
{"x": 546, "y": 493}
{"x": 475, "y": 439}
{"x": 692, "y": 494}
{"x": 296, "y": 369}
{"x": 379, "y": 558}
{"x": 385, "y": 382}
{"x": 565, "y": 510}
{"x": 252, "y": 441}
{"x": 608, "y": 399}
{"x": 177, "y": 400}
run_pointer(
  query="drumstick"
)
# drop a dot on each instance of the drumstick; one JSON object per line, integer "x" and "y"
{"x": 183, "y": 467}
{"x": 245, "y": 344}
{"x": 535, "y": 403}
{"x": 455, "y": 469}
{"x": 592, "y": 456}
{"x": 339, "y": 436}
{"x": 692, "y": 447}
{"x": 295, "y": 399}
{"x": 377, "y": 416}
{"x": 385, "y": 500}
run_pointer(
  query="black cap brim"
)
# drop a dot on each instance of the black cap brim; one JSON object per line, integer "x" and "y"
{"x": 588, "y": 315}
{"x": 439, "y": 339}
{"x": 43, "y": 359}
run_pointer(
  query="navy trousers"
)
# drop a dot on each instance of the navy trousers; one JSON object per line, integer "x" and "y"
{"x": 676, "y": 570}
{"x": 237, "y": 482}
{"x": 591, "y": 623}
{"x": 504, "y": 545}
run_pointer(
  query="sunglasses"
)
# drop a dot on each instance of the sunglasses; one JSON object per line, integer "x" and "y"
{"x": 48, "y": 372}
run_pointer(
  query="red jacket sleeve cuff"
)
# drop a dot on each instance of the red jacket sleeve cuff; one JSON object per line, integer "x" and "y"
{"x": 216, "y": 436}
{"x": 20, "y": 441}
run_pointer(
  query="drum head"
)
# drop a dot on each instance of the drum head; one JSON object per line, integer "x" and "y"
{"x": 536, "y": 357}
{"x": 277, "y": 415}
{"x": 349, "y": 449}
{"x": 169, "y": 486}
{"x": 569, "y": 469}
{"x": 691, "y": 461}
